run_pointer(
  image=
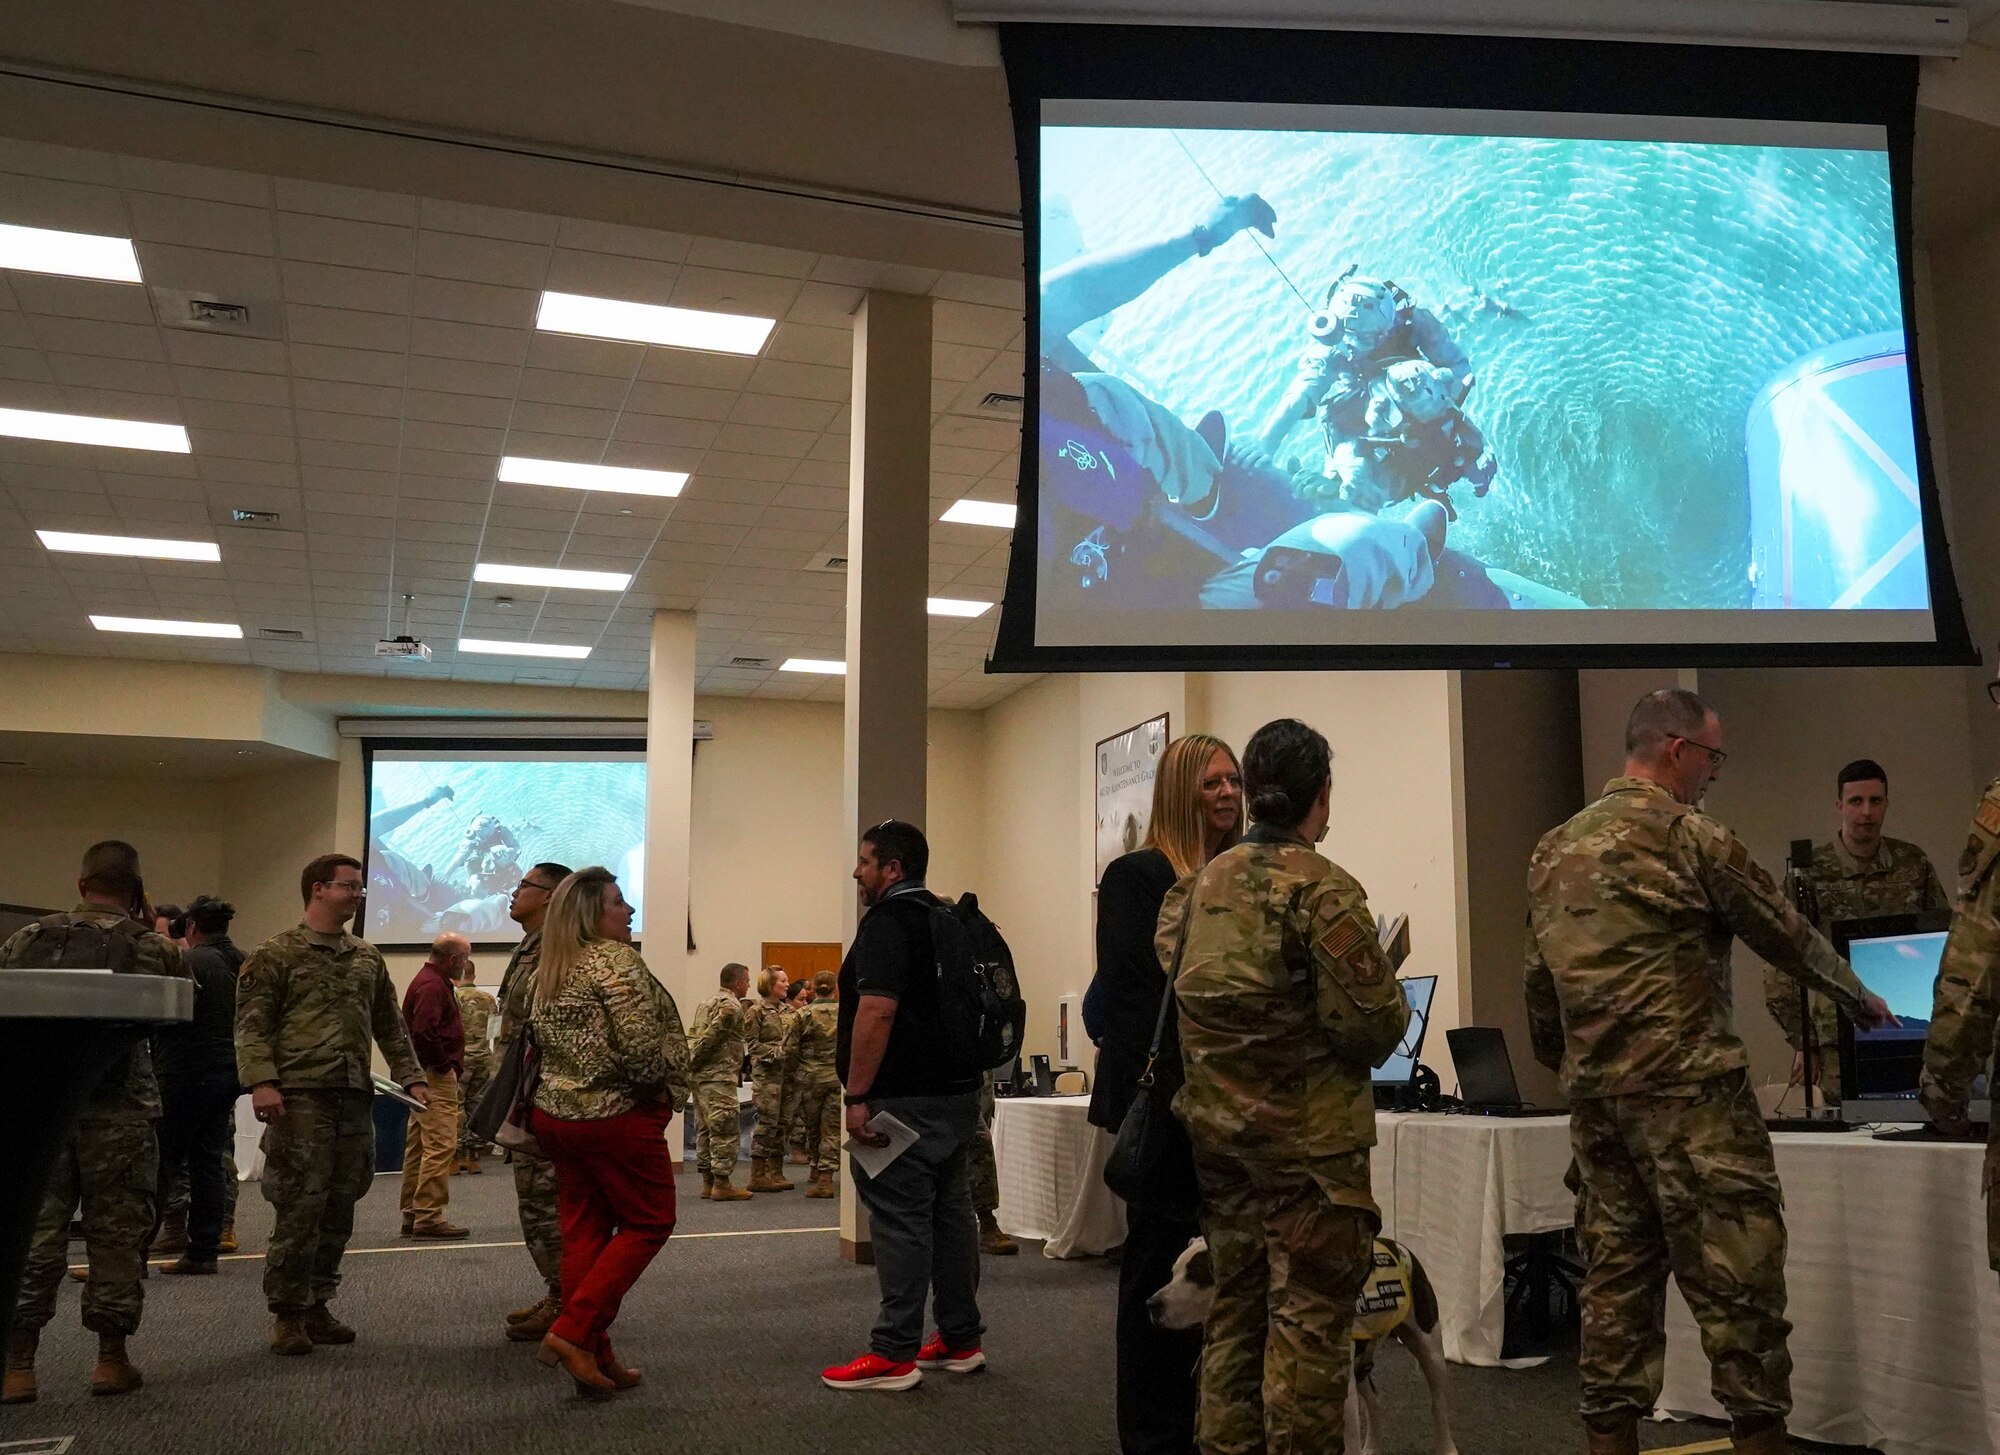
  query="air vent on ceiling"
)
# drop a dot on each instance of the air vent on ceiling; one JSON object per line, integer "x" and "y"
{"x": 206, "y": 313}
{"x": 828, "y": 561}
{"x": 280, "y": 634}
{"x": 1002, "y": 403}
{"x": 253, "y": 517}
{"x": 763, "y": 663}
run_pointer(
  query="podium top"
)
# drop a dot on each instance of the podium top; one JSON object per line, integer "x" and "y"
{"x": 94, "y": 995}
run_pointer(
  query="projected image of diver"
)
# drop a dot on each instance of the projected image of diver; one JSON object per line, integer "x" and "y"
{"x": 448, "y": 839}
{"x": 1311, "y": 370}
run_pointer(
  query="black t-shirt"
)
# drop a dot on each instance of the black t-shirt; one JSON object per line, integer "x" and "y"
{"x": 1123, "y": 1003}
{"x": 205, "y": 1045}
{"x": 892, "y": 955}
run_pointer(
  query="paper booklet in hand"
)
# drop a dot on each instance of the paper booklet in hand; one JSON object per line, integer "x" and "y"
{"x": 875, "y": 1160}
{"x": 389, "y": 1088}
{"x": 1394, "y": 933}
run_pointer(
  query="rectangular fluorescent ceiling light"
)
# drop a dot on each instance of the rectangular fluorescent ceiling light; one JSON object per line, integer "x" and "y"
{"x": 153, "y": 626}
{"x": 612, "y": 479}
{"x": 522, "y": 649}
{"x": 947, "y": 606}
{"x": 154, "y": 550}
{"x": 88, "y": 429}
{"x": 814, "y": 664}
{"x": 498, "y": 575}
{"x": 980, "y": 512}
{"x": 651, "y": 323}
{"x": 68, "y": 254}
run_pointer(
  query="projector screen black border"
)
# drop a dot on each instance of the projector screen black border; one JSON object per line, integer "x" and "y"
{"x": 462, "y": 745}
{"x": 1183, "y": 63}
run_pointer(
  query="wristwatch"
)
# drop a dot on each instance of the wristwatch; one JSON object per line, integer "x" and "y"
{"x": 855, "y": 1098}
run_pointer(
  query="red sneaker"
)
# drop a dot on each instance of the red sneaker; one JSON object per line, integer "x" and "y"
{"x": 939, "y": 1355}
{"x": 871, "y": 1371}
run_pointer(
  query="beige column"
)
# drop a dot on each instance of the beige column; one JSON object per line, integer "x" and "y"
{"x": 669, "y": 801}
{"x": 888, "y": 578}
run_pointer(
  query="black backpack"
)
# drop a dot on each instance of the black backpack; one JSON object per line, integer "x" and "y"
{"x": 65, "y": 942}
{"x": 979, "y": 996}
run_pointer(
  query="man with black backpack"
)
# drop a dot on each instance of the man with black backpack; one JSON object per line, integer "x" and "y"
{"x": 112, "y": 1160}
{"x": 908, "y": 1046}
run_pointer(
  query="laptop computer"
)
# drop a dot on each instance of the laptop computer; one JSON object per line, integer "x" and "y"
{"x": 1486, "y": 1074}
{"x": 1897, "y": 957}
{"x": 1044, "y": 1076}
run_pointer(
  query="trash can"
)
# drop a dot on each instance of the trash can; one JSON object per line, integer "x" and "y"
{"x": 392, "y": 1120}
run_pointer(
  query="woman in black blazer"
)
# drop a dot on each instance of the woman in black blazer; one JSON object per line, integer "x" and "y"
{"x": 1197, "y": 813}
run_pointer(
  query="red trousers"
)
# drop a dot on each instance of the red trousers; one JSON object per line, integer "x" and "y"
{"x": 615, "y": 1195}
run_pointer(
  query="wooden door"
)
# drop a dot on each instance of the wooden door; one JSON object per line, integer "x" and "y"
{"x": 802, "y": 959}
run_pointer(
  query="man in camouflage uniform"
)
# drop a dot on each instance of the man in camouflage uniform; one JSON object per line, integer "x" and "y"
{"x": 534, "y": 1177}
{"x": 715, "y": 1059}
{"x": 1632, "y": 906}
{"x": 307, "y": 1004}
{"x": 1961, "y": 1037}
{"x": 1859, "y": 873}
{"x": 983, "y": 1174}
{"x": 112, "y": 1160}
{"x": 1286, "y": 1003}
{"x": 810, "y": 1042}
{"x": 476, "y": 1010}
{"x": 798, "y": 1139}
{"x": 764, "y": 1033}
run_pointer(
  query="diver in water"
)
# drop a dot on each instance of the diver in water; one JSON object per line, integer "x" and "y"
{"x": 1367, "y": 325}
{"x": 1416, "y": 441}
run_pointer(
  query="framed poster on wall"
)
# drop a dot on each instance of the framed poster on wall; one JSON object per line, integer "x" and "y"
{"x": 1126, "y": 764}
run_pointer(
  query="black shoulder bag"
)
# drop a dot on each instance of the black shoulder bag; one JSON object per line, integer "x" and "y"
{"x": 1151, "y": 1165}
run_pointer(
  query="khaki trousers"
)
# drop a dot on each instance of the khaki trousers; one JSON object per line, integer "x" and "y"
{"x": 430, "y": 1152}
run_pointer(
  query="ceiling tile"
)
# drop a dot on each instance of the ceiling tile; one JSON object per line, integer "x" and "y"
{"x": 491, "y": 222}
{"x": 347, "y": 328}
{"x": 447, "y": 339}
{"x": 350, "y": 366}
{"x": 369, "y": 289}
{"x": 68, "y": 206}
{"x": 194, "y": 223}
{"x": 343, "y": 397}
{"x": 38, "y": 293}
{"x": 87, "y": 336}
{"x": 358, "y": 203}
{"x": 481, "y": 259}
{"x": 458, "y": 301}
{"x": 605, "y": 275}
{"x": 806, "y": 381}
{"x": 731, "y": 292}
{"x": 566, "y": 354}
{"x": 611, "y": 237}
{"x": 346, "y": 242}
{"x": 215, "y": 351}
{"x": 586, "y": 391}
{"x": 474, "y": 409}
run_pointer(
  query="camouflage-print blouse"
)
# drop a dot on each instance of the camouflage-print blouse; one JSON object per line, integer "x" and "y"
{"x": 610, "y": 1039}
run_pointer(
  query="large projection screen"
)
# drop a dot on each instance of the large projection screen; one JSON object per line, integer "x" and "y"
{"x": 452, "y": 828}
{"x": 1393, "y": 350}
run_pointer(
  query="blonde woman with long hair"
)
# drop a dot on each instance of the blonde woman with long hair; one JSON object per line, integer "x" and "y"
{"x": 1197, "y": 813}
{"x": 614, "y": 1068}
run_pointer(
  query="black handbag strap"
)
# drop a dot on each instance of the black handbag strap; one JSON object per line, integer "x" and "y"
{"x": 1167, "y": 999}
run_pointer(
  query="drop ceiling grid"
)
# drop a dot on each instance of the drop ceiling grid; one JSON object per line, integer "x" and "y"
{"x": 408, "y": 364}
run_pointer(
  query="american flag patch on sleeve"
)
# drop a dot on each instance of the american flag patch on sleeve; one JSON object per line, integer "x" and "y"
{"x": 1988, "y": 817}
{"x": 1345, "y": 937}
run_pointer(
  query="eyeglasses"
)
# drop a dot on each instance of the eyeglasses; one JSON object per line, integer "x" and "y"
{"x": 1233, "y": 780}
{"x": 1715, "y": 755}
{"x": 530, "y": 884}
{"x": 356, "y": 885}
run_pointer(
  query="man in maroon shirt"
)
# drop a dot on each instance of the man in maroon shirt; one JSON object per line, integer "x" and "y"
{"x": 430, "y": 1150}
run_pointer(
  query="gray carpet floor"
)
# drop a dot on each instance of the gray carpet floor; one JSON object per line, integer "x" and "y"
{"x": 731, "y": 1325}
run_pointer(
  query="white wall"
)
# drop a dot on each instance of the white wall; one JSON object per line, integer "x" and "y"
{"x": 47, "y": 821}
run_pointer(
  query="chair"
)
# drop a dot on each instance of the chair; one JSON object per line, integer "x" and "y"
{"x": 1071, "y": 1083}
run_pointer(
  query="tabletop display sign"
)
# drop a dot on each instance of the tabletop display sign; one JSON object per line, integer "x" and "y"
{"x": 1126, "y": 763}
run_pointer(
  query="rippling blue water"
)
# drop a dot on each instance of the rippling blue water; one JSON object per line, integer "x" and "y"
{"x": 1622, "y": 303}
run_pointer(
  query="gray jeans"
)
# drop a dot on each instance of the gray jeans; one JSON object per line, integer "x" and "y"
{"x": 925, "y": 1235}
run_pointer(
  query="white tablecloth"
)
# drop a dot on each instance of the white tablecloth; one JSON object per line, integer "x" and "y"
{"x": 1451, "y": 1188}
{"x": 1051, "y": 1162}
{"x": 1896, "y": 1317}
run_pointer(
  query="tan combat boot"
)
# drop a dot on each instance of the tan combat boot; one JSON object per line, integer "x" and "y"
{"x": 172, "y": 1237}
{"x": 766, "y": 1176}
{"x": 727, "y": 1191}
{"x": 707, "y": 1186}
{"x": 323, "y": 1328}
{"x": 288, "y": 1335}
{"x": 999, "y": 1245}
{"x": 822, "y": 1185}
{"x": 533, "y": 1310}
{"x": 534, "y": 1328}
{"x": 228, "y": 1240}
{"x": 20, "y": 1368}
{"x": 1765, "y": 1440}
{"x": 1621, "y": 1440}
{"x": 114, "y": 1373}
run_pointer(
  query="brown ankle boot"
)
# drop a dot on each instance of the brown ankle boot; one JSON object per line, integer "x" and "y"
{"x": 228, "y": 1243}
{"x": 707, "y": 1186}
{"x": 822, "y": 1185}
{"x": 1622, "y": 1439}
{"x": 288, "y": 1335}
{"x": 323, "y": 1328}
{"x": 1759, "y": 1440}
{"x": 727, "y": 1191}
{"x": 993, "y": 1241}
{"x": 114, "y": 1373}
{"x": 21, "y": 1367}
{"x": 766, "y": 1176}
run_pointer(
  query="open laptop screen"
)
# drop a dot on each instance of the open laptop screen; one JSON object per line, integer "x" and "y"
{"x": 1402, "y": 1065}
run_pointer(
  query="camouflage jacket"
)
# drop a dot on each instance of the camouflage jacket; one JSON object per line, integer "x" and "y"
{"x": 517, "y": 988}
{"x": 476, "y": 1009}
{"x": 1968, "y": 990}
{"x": 306, "y": 1005}
{"x": 128, "y": 1091}
{"x": 715, "y": 1042}
{"x": 764, "y": 1021}
{"x": 1632, "y": 906}
{"x": 1898, "y": 880}
{"x": 610, "y": 1038}
{"x": 1286, "y": 1002}
{"x": 809, "y": 1042}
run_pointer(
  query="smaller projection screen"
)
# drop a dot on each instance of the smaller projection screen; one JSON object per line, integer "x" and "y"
{"x": 1348, "y": 381}
{"x": 452, "y": 830}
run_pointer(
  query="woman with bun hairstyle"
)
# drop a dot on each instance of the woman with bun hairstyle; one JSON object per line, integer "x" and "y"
{"x": 1197, "y": 813}
{"x": 1287, "y": 1003}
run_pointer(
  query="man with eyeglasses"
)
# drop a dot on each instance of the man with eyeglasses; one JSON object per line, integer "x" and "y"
{"x": 1961, "y": 1036}
{"x": 1632, "y": 906}
{"x": 307, "y": 1003}
{"x": 534, "y": 1177}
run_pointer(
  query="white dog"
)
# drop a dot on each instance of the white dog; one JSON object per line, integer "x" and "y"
{"x": 1397, "y": 1301}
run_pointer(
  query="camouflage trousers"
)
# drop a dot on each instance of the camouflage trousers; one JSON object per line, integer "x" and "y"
{"x": 541, "y": 1225}
{"x": 319, "y": 1161}
{"x": 767, "y": 1095}
{"x": 793, "y": 1116}
{"x": 174, "y": 1191}
{"x": 1291, "y": 1245}
{"x": 821, "y": 1110}
{"x": 1682, "y": 1184}
{"x": 982, "y": 1173}
{"x": 470, "y": 1087}
{"x": 111, "y": 1168}
{"x": 718, "y": 1127}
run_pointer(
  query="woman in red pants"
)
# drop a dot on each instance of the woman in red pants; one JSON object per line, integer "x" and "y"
{"x": 614, "y": 1067}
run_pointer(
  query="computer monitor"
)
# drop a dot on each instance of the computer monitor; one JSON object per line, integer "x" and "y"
{"x": 1897, "y": 957}
{"x": 1402, "y": 1064}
